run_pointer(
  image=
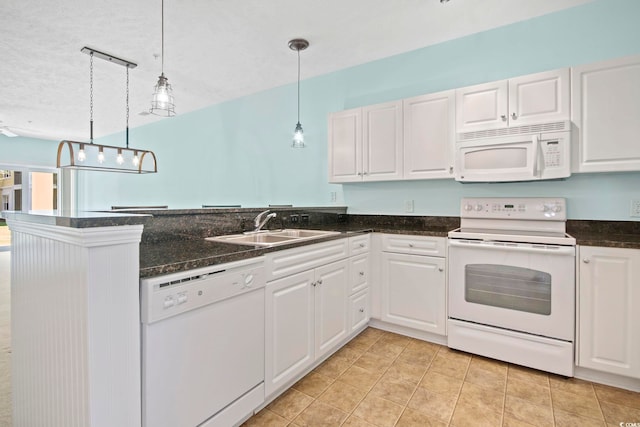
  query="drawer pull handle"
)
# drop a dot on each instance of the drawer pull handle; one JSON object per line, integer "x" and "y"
{"x": 319, "y": 281}
{"x": 440, "y": 269}
{"x": 361, "y": 310}
{"x": 410, "y": 245}
{"x": 313, "y": 284}
{"x": 362, "y": 245}
{"x": 586, "y": 260}
{"x": 514, "y": 116}
{"x": 362, "y": 273}
{"x": 504, "y": 118}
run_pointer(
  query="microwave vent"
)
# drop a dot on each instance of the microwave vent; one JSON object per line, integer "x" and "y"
{"x": 516, "y": 130}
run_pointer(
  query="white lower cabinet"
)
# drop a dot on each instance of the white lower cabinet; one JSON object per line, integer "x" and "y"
{"x": 413, "y": 287}
{"x": 609, "y": 318}
{"x": 306, "y": 316}
{"x": 289, "y": 325}
{"x": 331, "y": 299}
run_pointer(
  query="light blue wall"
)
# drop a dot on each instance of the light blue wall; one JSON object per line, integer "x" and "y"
{"x": 27, "y": 152}
{"x": 238, "y": 151}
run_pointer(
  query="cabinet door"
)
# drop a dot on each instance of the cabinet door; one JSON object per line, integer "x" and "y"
{"x": 331, "y": 300}
{"x": 289, "y": 329}
{"x": 609, "y": 319}
{"x": 482, "y": 107}
{"x": 382, "y": 142}
{"x": 429, "y": 136}
{"x": 413, "y": 292}
{"x": 605, "y": 107}
{"x": 345, "y": 146}
{"x": 539, "y": 98}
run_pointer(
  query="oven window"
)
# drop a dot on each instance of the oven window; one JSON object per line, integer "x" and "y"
{"x": 504, "y": 286}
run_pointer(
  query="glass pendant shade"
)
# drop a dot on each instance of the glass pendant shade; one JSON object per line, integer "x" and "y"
{"x": 82, "y": 156}
{"x": 162, "y": 102}
{"x": 298, "y": 137}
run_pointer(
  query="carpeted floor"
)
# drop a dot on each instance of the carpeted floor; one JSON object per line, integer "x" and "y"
{"x": 5, "y": 341}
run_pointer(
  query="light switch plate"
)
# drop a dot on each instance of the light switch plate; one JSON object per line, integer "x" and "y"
{"x": 408, "y": 206}
{"x": 635, "y": 208}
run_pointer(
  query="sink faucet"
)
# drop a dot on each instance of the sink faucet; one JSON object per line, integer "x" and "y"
{"x": 259, "y": 222}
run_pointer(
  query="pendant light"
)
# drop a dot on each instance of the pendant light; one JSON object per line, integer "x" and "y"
{"x": 100, "y": 157}
{"x": 298, "y": 133}
{"x": 162, "y": 101}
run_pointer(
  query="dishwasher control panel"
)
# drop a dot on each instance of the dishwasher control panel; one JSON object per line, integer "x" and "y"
{"x": 165, "y": 296}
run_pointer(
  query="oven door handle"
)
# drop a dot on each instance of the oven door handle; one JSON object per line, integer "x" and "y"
{"x": 515, "y": 247}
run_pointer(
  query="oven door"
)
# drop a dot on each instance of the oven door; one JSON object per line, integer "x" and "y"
{"x": 518, "y": 286}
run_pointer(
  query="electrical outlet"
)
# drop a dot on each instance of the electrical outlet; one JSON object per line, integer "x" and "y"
{"x": 293, "y": 218}
{"x": 408, "y": 206}
{"x": 304, "y": 219}
{"x": 635, "y": 208}
{"x": 334, "y": 196}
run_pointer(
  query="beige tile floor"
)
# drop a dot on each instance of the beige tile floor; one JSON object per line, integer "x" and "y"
{"x": 384, "y": 379}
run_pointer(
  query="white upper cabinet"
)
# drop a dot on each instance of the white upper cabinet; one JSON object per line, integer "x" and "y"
{"x": 345, "y": 146}
{"x": 382, "y": 142}
{"x": 540, "y": 98}
{"x": 606, "y": 111}
{"x": 365, "y": 144}
{"x": 534, "y": 98}
{"x": 482, "y": 107}
{"x": 429, "y": 138}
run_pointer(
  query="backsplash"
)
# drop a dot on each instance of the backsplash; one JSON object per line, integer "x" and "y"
{"x": 189, "y": 224}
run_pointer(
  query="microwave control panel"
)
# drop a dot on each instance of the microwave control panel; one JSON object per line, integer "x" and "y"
{"x": 552, "y": 154}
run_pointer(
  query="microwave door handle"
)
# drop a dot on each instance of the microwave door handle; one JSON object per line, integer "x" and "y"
{"x": 536, "y": 149}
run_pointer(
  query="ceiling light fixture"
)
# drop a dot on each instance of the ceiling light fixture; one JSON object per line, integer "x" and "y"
{"x": 298, "y": 134}
{"x": 99, "y": 157}
{"x": 162, "y": 101}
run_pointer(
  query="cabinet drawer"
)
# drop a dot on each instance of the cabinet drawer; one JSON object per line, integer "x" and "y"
{"x": 359, "y": 244}
{"x": 359, "y": 309}
{"x": 358, "y": 273}
{"x": 414, "y": 245}
{"x": 290, "y": 261}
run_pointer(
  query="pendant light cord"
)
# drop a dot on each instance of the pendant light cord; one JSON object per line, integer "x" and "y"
{"x": 127, "y": 129}
{"x": 298, "y": 85}
{"x": 162, "y": 38}
{"x": 91, "y": 97}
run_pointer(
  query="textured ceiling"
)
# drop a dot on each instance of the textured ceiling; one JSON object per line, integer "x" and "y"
{"x": 215, "y": 50}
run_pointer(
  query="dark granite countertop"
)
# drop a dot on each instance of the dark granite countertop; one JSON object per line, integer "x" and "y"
{"x": 612, "y": 234}
{"x": 164, "y": 257}
{"x": 77, "y": 219}
{"x": 157, "y": 258}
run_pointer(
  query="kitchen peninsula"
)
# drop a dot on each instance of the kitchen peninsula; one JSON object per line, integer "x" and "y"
{"x": 76, "y": 306}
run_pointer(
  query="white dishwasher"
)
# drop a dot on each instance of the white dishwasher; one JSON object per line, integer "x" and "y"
{"x": 203, "y": 345}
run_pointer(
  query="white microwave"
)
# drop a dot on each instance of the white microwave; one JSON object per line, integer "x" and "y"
{"x": 525, "y": 153}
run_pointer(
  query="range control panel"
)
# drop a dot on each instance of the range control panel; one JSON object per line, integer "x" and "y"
{"x": 528, "y": 208}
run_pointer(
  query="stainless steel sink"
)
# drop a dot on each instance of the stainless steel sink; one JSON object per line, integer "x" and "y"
{"x": 269, "y": 238}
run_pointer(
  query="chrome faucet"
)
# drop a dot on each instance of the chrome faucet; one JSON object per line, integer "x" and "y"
{"x": 258, "y": 222}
